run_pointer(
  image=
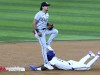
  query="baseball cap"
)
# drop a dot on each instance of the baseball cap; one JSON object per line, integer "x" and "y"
{"x": 45, "y": 4}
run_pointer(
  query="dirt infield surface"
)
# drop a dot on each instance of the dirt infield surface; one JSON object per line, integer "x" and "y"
{"x": 26, "y": 53}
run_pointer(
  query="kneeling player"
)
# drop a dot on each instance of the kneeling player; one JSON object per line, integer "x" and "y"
{"x": 68, "y": 65}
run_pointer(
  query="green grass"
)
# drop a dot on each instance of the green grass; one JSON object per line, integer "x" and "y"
{"x": 75, "y": 19}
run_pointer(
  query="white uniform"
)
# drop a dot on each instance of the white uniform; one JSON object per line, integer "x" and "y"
{"x": 73, "y": 65}
{"x": 42, "y": 19}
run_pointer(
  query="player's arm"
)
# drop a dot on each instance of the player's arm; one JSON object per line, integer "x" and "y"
{"x": 41, "y": 68}
{"x": 35, "y": 27}
{"x": 34, "y": 23}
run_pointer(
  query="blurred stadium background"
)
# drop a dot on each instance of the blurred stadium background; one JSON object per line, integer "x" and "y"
{"x": 75, "y": 19}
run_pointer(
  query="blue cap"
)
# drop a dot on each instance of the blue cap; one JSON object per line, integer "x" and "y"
{"x": 50, "y": 55}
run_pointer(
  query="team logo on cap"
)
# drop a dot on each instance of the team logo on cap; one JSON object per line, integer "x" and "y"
{"x": 46, "y": 2}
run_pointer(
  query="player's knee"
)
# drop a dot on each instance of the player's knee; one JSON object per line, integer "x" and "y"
{"x": 56, "y": 31}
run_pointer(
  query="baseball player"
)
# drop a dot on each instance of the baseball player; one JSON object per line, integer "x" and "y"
{"x": 43, "y": 28}
{"x": 69, "y": 65}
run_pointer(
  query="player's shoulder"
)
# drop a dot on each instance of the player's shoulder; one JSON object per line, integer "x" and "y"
{"x": 47, "y": 13}
{"x": 39, "y": 12}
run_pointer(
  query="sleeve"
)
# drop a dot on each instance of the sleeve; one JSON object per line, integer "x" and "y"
{"x": 51, "y": 62}
{"x": 37, "y": 16}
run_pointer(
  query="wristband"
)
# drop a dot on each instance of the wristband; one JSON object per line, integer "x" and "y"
{"x": 37, "y": 30}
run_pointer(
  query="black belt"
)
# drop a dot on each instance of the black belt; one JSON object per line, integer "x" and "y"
{"x": 42, "y": 29}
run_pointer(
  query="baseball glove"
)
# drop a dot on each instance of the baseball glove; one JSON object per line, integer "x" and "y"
{"x": 50, "y": 26}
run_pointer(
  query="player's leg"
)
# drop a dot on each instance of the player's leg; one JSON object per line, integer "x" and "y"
{"x": 42, "y": 41}
{"x": 80, "y": 65}
{"x": 50, "y": 55}
{"x": 85, "y": 58}
{"x": 44, "y": 53}
{"x": 77, "y": 65}
{"x": 89, "y": 64}
{"x": 53, "y": 33}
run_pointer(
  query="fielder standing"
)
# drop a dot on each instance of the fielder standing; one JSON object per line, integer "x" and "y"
{"x": 42, "y": 28}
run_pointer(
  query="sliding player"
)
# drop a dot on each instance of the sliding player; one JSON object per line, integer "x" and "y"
{"x": 68, "y": 65}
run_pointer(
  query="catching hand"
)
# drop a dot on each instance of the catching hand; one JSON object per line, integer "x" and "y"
{"x": 50, "y": 26}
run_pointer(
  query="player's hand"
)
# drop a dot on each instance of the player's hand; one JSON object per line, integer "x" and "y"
{"x": 39, "y": 34}
{"x": 50, "y": 26}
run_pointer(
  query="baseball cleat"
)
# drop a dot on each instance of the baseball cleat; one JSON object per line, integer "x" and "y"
{"x": 91, "y": 53}
{"x": 32, "y": 67}
{"x": 98, "y": 53}
{"x": 48, "y": 66}
{"x": 49, "y": 47}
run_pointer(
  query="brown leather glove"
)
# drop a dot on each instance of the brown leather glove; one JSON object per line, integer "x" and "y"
{"x": 50, "y": 26}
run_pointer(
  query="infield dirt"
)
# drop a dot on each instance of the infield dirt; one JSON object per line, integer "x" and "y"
{"x": 25, "y": 53}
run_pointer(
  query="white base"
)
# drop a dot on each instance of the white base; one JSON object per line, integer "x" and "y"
{"x": 15, "y": 69}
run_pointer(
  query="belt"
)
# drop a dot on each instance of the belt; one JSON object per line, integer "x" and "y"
{"x": 42, "y": 29}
